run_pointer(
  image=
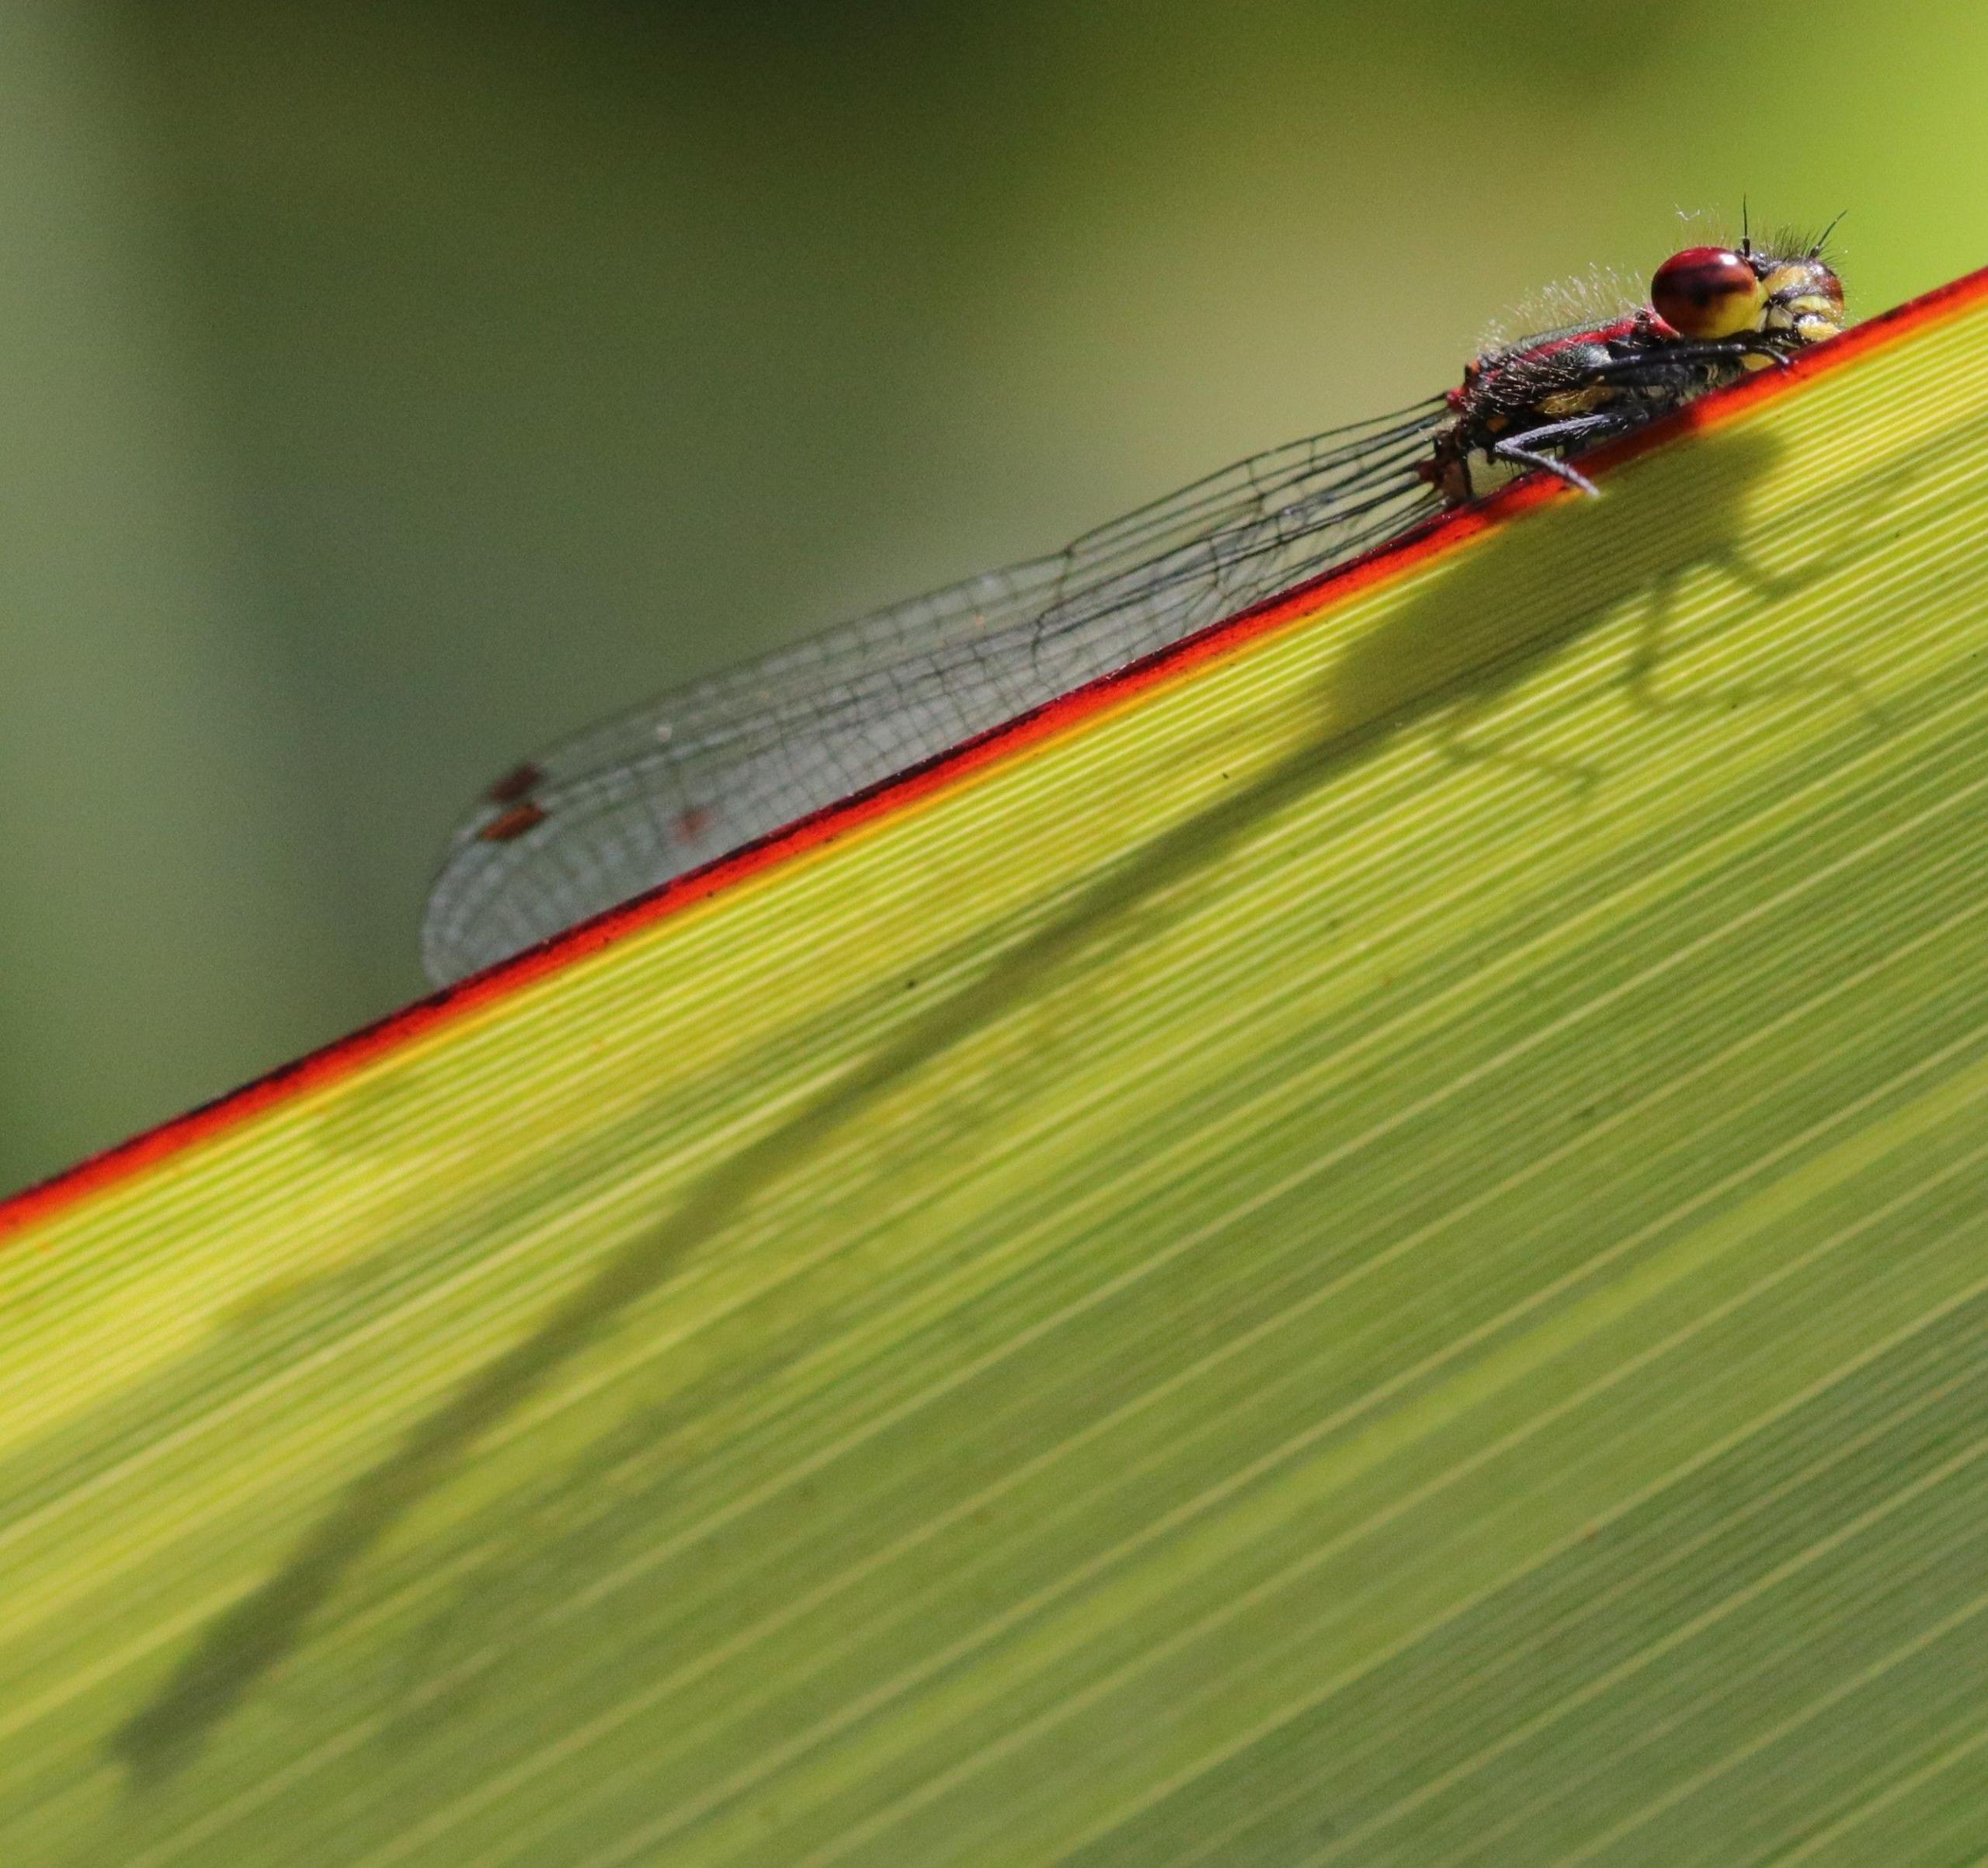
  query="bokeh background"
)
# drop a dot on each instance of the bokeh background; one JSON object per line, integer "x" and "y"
{"x": 389, "y": 388}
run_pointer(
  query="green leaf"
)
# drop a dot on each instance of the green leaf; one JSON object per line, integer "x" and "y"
{"x": 1371, "y": 1247}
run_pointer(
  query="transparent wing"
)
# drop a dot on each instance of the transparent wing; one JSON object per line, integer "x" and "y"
{"x": 626, "y": 805}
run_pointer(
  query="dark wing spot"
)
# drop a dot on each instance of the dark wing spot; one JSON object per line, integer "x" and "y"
{"x": 508, "y": 825}
{"x": 519, "y": 782}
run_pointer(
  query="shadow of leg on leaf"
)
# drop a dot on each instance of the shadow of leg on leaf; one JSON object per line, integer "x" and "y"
{"x": 1862, "y": 509}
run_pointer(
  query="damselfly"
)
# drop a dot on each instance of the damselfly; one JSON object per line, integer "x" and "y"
{"x": 640, "y": 799}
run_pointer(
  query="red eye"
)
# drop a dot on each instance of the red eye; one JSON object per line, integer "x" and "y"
{"x": 1707, "y": 292}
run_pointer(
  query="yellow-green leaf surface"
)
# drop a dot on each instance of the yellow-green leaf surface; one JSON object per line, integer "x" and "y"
{"x": 1376, "y": 1253}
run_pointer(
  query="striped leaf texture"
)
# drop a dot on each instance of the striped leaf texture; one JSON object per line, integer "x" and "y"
{"x": 1370, "y": 1246}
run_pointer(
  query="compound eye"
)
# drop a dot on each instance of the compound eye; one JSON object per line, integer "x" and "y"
{"x": 1707, "y": 292}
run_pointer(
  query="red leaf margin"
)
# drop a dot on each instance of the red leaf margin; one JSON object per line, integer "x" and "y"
{"x": 125, "y": 1160}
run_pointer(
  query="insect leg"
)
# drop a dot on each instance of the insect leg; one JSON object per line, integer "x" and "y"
{"x": 1660, "y": 363}
{"x": 1521, "y": 449}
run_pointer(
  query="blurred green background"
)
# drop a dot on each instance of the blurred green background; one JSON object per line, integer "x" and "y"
{"x": 391, "y": 388}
